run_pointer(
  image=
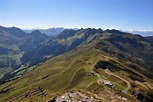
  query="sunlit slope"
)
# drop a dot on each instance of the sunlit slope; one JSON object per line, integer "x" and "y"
{"x": 72, "y": 71}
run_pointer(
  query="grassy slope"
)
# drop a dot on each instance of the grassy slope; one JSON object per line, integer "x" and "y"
{"x": 4, "y": 70}
{"x": 61, "y": 73}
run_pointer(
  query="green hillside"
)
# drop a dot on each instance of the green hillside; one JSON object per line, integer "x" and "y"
{"x": 101, "y": 65}
{"x": 72, "y": 71}
{"x": 13, "y": 44}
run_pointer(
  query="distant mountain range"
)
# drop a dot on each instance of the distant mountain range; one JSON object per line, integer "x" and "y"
{"x": 143, "y": 33}
{"x": 99, "y": 63}
{"x": 49, "y": 31}
{"x": 70, "y": 39}
{"x": 36, "y": 47}
{"x": 55, "y": 31}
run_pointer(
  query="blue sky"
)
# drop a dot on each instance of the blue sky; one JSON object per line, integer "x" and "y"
{"x": 118, "y": 14}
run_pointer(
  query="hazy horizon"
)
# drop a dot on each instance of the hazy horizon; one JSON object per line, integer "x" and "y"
{"x": 105, "y": 14}
{"x": 37, "y": 28}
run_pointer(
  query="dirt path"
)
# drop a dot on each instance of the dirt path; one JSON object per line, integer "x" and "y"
{"x": 140, "y": 83}
{"x": 128, "y": 84}
{"x": 89, "y": 84}
{"x": 151, "y": 87}
{"x": 73, "y": 76}
{"x": 74, "y": 72}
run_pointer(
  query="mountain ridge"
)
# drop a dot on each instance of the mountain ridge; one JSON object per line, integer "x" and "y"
{"x": 13, "y": 43}
{"x": 70, "y": 39}
{"x": 84, "y": 59}
{"x": 50, "y": 31}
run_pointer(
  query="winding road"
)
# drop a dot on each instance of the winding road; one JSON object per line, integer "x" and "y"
{"x": 128, "y": 84}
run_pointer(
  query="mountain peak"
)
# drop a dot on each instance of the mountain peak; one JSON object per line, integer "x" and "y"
{"x": 36, "y": 32}
{"x": 67, "y": 33}
{"x": 15, "y": 31}
{"x": 114, "y": 31}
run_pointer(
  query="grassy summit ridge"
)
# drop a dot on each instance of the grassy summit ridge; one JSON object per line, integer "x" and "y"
{"x": 70, "y": 72}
